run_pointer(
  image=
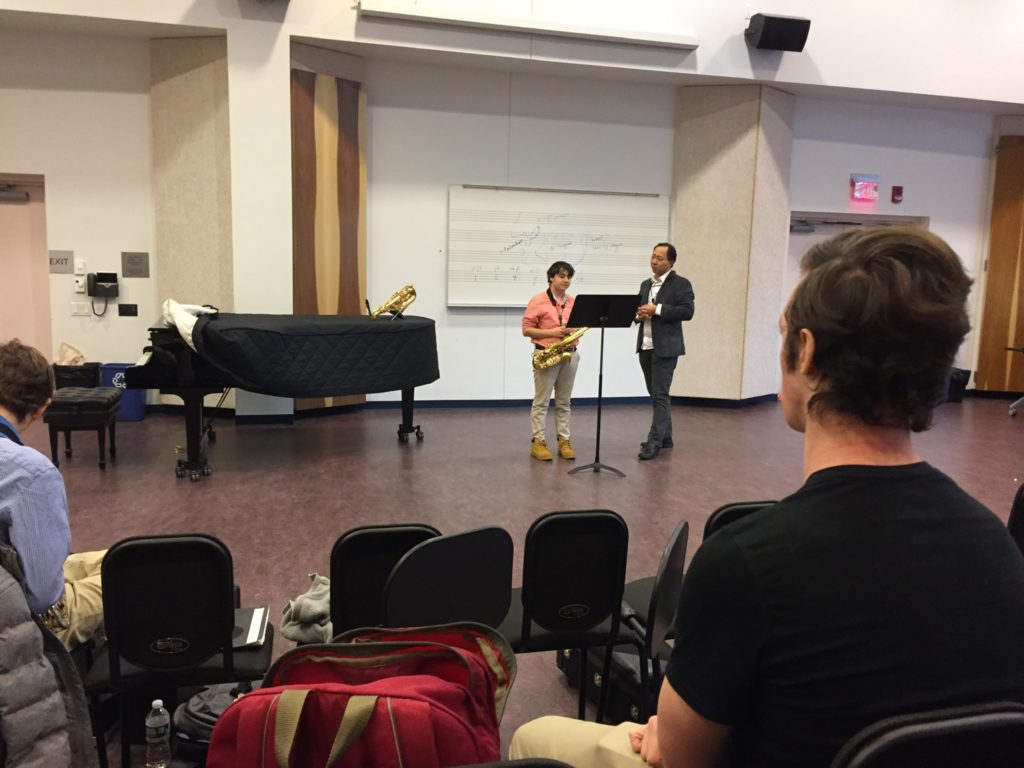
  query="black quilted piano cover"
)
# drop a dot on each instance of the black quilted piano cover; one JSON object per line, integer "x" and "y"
{"x": 318, "y": 356}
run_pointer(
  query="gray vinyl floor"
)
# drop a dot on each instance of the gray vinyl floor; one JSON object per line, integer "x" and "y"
{"x": 280, "y": 495}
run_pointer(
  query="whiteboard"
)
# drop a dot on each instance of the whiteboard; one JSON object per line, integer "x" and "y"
{"x": 502, "y": 240}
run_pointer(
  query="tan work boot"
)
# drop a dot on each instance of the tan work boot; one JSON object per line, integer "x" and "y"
{"x": 539, "y": 450}
{"x": 565, "y": 448}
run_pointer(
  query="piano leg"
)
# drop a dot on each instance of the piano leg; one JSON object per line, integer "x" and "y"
{"x": 194, "y": 465}
{"x": 407, "y": 427}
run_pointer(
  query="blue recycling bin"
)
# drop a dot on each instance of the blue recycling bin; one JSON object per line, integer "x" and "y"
{"x": 133, "y": 401}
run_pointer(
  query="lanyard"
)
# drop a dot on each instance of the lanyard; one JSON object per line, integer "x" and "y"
{"x": 9, "y": 433}
{"x": 558, "y": 307}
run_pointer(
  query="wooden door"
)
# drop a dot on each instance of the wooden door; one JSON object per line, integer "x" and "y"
{"x": 328, "y": 203}
{"x": 1002, "y": 322}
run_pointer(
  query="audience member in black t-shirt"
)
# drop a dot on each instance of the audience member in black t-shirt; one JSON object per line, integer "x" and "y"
{"x": 880, "y": 587}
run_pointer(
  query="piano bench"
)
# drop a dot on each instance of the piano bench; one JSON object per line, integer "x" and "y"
{"x": 77, "y": 408}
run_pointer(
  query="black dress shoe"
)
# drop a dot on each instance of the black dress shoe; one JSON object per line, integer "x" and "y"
{"x": 648, "y": 452}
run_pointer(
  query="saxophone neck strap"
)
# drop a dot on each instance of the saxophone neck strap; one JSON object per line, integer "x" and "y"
{"x": 558, "y": 306}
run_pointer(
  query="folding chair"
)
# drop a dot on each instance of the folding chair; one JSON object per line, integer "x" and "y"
{"x": 990, "y": 735}
{"x": 459, "y": 577}
{"x": 574, "y": 567}
{"x": 361, "y": 561}
{"x": 652, "y": 621}
{"x": 729, "y": 513}
{"x": 169, "y": 615}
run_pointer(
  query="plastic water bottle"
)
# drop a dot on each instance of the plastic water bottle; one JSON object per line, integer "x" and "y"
{"x": 158, "y": 736}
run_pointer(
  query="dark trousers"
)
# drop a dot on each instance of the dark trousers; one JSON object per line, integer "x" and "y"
{"x": 658, "y": 377}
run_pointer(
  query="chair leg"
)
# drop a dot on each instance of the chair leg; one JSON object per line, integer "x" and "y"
{"x": 583, "y": 683}
{"x": 101, "y": 433}
{"x": 67, "y": 442}
{"x": 113, "y": 438}
{"x": 126, "y": 744}
{"x": 606, "y": 669}
{"x": 53, "y": 446}
{"x": 99, "y": 734}
{"x": 648, "y": 680}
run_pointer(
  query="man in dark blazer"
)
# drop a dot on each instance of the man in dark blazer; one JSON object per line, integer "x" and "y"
{"x": 665, "y": 300}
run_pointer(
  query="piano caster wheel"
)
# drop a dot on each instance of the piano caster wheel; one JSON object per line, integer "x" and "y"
{"x": 403, "y": 437}
{"x": 180, "y": 472}
{"x": 207, "y": 471}
{"x": 1013, "y": 411}
{"x": 194, "y": 476}
{"x": 419, "y": 435}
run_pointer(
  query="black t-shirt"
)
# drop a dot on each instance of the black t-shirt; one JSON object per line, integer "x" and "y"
{"x": 871, "y": 591}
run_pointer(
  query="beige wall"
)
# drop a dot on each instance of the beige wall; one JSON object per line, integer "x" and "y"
{"x": 731, "y": 219}
{"x": 192, "y": 173}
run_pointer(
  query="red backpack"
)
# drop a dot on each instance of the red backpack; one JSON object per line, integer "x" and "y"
{"x": 416, "y": 698}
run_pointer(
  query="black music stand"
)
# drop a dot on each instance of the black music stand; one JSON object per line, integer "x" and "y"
{"x": 603, "y": 311}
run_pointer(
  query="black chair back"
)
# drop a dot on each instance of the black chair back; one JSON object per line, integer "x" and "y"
{"x": 459, "y": 577}
{"x": 728, "y": 513}
{"x": 361, "y": 561}
{"x": 990, "y": 735}
{"x": 668, "y": 583}
{"x": 84, "y": 375}
{"x": 1016, "y": 521}
{"x": 574, "y": 568}
{"x": 168, "y": 603}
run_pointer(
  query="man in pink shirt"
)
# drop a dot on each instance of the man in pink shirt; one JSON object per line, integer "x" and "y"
{"x": 544, "y": 323}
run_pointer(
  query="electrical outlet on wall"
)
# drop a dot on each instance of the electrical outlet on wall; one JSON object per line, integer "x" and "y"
{"x": 79, "y": 309}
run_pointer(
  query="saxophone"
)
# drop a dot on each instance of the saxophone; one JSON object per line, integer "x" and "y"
{"x": 557, "y": 352}
{"x": 397, "y": 304}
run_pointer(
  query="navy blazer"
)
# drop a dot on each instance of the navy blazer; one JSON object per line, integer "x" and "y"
{"x": 676, "y": 300}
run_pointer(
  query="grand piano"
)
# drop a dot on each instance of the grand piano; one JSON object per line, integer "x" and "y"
{"x": 286, "y": 356}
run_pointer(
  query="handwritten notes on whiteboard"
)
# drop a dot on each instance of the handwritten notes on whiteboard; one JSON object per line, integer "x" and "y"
{"x": 501, "y": 241}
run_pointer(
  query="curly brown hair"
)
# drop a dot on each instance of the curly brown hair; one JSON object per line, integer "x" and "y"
{"x": 887, "y": 307}
{"x": 26, "y": 379}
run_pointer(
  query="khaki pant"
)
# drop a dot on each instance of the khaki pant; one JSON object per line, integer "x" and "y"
{"x": 576, "y": 742}
{"x": 560, "y": 378}
{"x": 79, "y": 613}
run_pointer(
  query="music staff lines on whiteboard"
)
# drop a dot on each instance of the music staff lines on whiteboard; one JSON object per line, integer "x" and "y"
{"x": 553, "y": 240}
{"x": 503, "y": 239}
{"x": 461, "y": 257}
{"x": 531, "y": 276}
{"x": 525, "y": 219}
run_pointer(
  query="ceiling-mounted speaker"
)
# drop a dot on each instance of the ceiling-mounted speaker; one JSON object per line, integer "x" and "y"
{"x": 777, "y": 33}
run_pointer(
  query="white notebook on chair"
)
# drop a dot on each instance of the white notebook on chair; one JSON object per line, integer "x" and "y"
{"x": 250, "y": 627}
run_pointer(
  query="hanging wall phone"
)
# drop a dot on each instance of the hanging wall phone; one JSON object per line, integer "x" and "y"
{"x": 101, "y": 285}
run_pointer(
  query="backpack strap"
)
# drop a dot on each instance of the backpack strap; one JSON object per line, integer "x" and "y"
{"x": 357, "y": 715}
{"x": 289, "y": 710}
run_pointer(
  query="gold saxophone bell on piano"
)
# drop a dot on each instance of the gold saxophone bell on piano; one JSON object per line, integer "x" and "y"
{"x": 558, "y": 352}
{"x": 397, "y": 303}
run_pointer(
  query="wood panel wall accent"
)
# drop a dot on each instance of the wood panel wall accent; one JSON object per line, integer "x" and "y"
{"x": 1002, "y": 323}
{"x": 328, "y": 202}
